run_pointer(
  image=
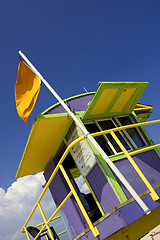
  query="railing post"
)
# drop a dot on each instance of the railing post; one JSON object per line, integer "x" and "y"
{"x": 45, "y": 221}
{"x": 93, "y": 229}
{"x": 153, "y": 194}
{"x": 60, "y": 206}
{"x": 25, "y": 229}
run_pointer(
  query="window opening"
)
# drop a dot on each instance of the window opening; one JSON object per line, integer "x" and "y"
{"x": 81, "y": 188}
{"x": 109, "y": 125}
{"x": 108, "y": 137}
{"x": 92, "y": 128}
{"x": 132, "y": 132}
{"x": 122, "y": 136}
{"x": 130, "y": 138}
{"x": 82, "y": 185}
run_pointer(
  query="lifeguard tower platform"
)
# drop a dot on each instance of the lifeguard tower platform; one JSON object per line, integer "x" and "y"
{"x": 93, "y": 201}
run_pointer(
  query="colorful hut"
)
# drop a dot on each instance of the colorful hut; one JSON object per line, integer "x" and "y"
{"x": 94, "y": 202}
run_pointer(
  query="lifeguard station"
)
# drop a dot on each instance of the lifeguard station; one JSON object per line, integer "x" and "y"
{"x": 92, "y": 199}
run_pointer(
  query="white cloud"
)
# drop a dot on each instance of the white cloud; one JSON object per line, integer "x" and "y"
{"x": 82, "y": 185}
{"x": 16, "y": 204}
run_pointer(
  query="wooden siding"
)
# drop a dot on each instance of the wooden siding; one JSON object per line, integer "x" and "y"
{"x": 59, "y": 190}
{"x": 102, "y": 189}
{"x": 127, "y": 221}
{"x": 148, "y": 162}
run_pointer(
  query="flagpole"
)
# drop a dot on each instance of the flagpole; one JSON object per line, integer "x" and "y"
{"x": 92, "y": 140}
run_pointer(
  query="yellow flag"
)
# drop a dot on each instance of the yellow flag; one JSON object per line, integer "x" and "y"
{"x": 26, "y": 90}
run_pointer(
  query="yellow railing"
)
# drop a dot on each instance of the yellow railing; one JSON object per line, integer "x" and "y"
{"x": 42, "y": 225}
{"x": 46, "y": 222}
{"x": 112, "y": 131}
{"x": 72, "y": 190}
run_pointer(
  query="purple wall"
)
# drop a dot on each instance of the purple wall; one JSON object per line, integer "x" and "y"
{"x": 72, "y": 127}
{"x": 102, "y": 189}
{"x": 149, "y": 164}
{"x": 58, "y": 185}
{"x": 122, "y": 218}
{"x": 79, "y": 103}
{"x": 59, "y": 190}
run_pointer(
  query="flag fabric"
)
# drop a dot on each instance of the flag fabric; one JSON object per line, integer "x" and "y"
{"x": 26, "y": 90}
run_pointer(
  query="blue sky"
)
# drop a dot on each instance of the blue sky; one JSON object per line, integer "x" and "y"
{"x": 74, "y": 44}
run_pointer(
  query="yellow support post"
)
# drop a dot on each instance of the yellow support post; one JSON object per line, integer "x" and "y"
{"x": 93, "y": 229}
{"x": 60, "y": 206}
{"x": 153, "y": 194}
{"x": 51, "y": 178}
{"x": 57, "y": 210}
{"x": 62, "y": 232}
{"x": 30, "y": 215}
{"x": 42, "y": 224}
{"x": 25, "y": 229}
{"x": 95, "y": 199}
{"x": 148, "y": 148}
{"x": 46, "y": 224}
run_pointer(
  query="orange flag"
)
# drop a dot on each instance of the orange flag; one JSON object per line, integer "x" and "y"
{"x": 26, "y": 90}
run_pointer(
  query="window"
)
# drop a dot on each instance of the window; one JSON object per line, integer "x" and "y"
{"x": 132, "y": 132}
{"x": 102, "y": 140}
{"x": 130, "y": 138}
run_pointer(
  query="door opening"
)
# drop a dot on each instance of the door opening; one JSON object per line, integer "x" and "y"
{"x": 81, "y": 188}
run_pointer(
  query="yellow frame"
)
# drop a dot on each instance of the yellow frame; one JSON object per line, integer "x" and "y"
{"x": 46, "y": 223}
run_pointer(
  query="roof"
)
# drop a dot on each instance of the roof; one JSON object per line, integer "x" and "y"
{"x": 45, "y": 137}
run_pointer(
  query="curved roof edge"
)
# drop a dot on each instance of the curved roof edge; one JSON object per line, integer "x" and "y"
{"x": 70, "y": 98}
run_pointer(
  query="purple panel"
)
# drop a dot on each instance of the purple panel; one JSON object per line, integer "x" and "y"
{"x": 59, "y": 151}
{"x": 106, "y": 228}
{"x": 59, "y": 190}
{"x": 151, "y": 159}
{"x": 79, "y": 103}
{"x": 70, "y": 131}
{"x": 122, "y": 218}
{"x": 58, "y": 186}
{"x": 102, "y": 189}
{"x": 149, "y": 163}
{"x": 74, "y": 220}
{"x": 132, "y": 212}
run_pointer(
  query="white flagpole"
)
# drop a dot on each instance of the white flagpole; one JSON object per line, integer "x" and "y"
{"x": 93, "y": 141}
